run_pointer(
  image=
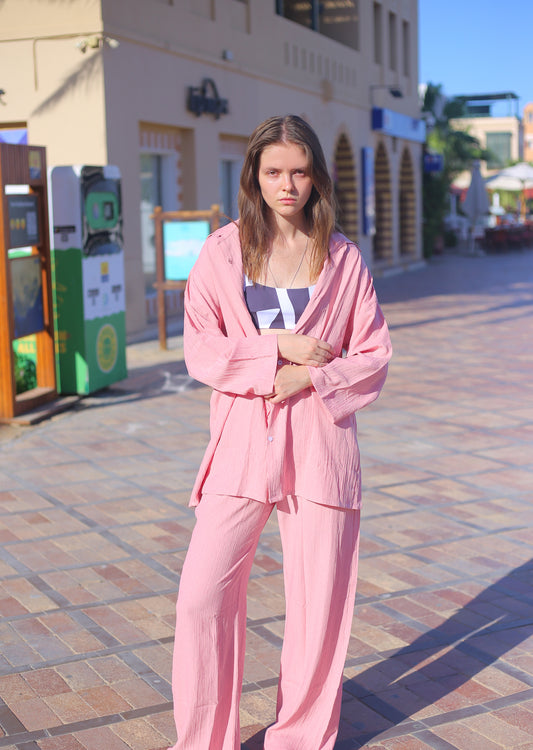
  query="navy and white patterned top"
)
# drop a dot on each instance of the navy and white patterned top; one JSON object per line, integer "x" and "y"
{"x": 272, "y": 307}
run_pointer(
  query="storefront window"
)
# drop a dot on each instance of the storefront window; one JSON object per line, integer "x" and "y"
{"x": 151, "y": 196}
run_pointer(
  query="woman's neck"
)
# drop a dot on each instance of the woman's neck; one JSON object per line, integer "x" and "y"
{"x": 287, "y": 231}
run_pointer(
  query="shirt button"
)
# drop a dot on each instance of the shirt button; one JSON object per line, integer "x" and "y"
{"x": 270, "y": 438}
{"x": 280, "y": 361}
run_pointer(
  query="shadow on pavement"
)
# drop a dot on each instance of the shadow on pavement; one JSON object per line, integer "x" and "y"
{"x": 436, "y": 664}
{"x": 143, "y": 383}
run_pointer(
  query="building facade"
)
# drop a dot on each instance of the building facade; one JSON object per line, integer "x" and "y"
{"x": 169, "y": 91}
{"x": 492, "y": 119}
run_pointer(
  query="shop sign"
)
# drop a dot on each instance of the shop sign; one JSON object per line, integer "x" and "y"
{"x": 396, "y": 124}
{"x": 204, "y": 99}
{"x": 433, "y": 162}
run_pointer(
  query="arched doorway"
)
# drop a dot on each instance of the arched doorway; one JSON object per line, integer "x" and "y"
{"x": 346, "y": 188}
{"x": 407, "y": 206}
{"x": 383, "y": 248}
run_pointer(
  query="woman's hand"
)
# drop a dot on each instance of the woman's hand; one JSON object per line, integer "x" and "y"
{"x": 290, "y": 380}
{"x": 304, "y": 350}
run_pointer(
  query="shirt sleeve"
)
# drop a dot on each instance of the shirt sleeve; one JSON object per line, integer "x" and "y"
{"x": 347, "y": 384}
{"x": 241, "y": 365}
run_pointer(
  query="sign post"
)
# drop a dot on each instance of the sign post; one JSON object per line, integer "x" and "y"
{"x": 25, "y": 276}
{"x": 179, "y": 236}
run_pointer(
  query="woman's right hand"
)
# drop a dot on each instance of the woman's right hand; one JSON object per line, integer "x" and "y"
{"x": 304, "y": 350}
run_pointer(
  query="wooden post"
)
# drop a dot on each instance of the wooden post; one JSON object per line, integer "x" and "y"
{"x": 163, "y": 284}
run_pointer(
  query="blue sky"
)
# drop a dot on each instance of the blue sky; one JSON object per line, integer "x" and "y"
{"x": 477, "y": 46}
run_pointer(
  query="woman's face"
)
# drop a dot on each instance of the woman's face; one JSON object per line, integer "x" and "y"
{"x": 285, "y": 179}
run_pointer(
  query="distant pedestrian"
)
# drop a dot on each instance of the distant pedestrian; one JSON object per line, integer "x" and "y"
{"x": 282, "y": 321}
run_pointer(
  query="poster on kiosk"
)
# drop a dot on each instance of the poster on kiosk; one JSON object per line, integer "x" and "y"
{"x": 88, "y": 277}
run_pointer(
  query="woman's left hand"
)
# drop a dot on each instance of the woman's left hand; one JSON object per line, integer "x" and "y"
{"x": 290, "y": 380}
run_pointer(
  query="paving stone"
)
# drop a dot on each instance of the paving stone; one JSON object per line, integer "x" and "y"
{"x": 94, "y": 525}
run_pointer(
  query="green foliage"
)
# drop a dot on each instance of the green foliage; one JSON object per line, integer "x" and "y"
{"x": 457, "y": 147}
{"x": 434, "y": 191}
{"x": 25, "y": 373}
{"x": 450, "y": 238}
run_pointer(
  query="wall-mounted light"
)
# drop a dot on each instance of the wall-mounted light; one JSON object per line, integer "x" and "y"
{"x": 96, "y": 42}
{"x": 394, "y": 91}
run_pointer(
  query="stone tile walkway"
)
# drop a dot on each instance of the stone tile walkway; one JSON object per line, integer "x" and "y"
{"x": 94, "y": 526}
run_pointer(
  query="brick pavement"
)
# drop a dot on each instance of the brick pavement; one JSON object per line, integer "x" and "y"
{"x": 94, "y": 527}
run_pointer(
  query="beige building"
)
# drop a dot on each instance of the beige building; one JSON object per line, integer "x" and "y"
{"x": 169, "y": 91}
{"x": 500, "y": 132}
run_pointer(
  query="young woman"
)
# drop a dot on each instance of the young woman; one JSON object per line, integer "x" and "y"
{"x": 282, "y": 321}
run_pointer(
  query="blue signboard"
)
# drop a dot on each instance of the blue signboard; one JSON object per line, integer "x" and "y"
{"x": 433, "y": 162}
{"x": 402, "y": 126}
{"x": 182, "y": 242}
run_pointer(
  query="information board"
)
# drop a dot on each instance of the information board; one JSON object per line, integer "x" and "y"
{"x": 182, "y": 242}
{"x": 23, "y": 220}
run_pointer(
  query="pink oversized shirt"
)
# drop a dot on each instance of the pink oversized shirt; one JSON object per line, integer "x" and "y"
{"x": 306, "y": 446}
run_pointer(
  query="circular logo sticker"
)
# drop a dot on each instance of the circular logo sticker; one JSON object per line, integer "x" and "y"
{"x": 106, "y": 347}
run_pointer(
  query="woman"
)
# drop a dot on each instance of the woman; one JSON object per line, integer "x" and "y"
{"x": 282, "y": 321}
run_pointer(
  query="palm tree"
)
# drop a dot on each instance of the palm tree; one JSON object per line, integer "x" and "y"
{"x": 457, "y": 148}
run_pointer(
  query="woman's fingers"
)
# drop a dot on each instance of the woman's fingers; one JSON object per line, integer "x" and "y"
{"x": 289, "y": 381}
{"x": 304, "y": 350}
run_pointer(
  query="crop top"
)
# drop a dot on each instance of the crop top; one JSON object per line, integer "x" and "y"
{"x": 273, "y": 307}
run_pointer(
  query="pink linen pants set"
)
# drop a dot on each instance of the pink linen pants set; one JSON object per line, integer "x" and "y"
{"x": 314, "y": 484}
{"x": 320, "y": 571}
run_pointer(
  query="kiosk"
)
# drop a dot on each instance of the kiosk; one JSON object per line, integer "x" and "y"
{"x": 25, "y": 278}
{"x": 88, "y": 273}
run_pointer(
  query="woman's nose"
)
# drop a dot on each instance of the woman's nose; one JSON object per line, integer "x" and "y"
{"x": 288, "y": 183}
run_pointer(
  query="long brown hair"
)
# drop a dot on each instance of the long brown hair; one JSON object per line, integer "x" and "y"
{"x": 255, "y": 232}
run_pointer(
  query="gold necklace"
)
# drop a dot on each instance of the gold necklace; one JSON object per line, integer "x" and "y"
{"x": 295, "y": 273}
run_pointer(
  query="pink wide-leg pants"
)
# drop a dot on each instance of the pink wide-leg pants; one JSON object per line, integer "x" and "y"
{"x": 320, "y": 551}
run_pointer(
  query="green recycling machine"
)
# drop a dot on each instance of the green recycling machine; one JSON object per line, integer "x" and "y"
{"x": 88, "y": 277}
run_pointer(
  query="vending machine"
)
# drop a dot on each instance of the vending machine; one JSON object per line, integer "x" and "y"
{"x": 88, "y": 277}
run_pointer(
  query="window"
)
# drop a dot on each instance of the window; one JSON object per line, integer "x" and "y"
{"x": 151, "y": 196}
{"x": 393, "y": 42}
{"x": 299, "y": 11}
{"x": 231, "y": 159}
{"x": 230, "y": 171}
{"x": 499, "y": 146}
{"x": 339, "y": 20}
{"x": 378, "y": 50}
{"x": 406, "y": 49}
{"x": 336, "y": 19}
{"x": 158, "y": 180}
